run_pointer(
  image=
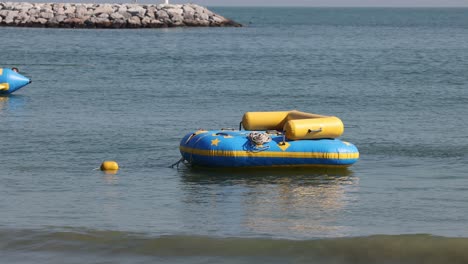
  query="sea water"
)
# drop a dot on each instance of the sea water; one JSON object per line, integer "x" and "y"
{"x": 398, "y": 78}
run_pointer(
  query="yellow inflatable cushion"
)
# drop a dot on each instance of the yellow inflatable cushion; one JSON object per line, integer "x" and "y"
{"x": 264, "y": 120}
{"x": 314, "y": 128}
{"x": 297, "y": 125}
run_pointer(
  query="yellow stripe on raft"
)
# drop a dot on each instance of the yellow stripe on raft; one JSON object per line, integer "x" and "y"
{"x": 270, "y": 154}
{"x": 298, "y": 166}
{"x": 1, "y": 71}
{"x": 4, "y": 86}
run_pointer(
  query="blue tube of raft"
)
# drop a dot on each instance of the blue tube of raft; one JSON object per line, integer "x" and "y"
{"x": 301, "y": 143}
{"x": 11, "y": 81}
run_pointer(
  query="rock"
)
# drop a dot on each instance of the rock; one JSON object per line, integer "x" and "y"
{"x": 41, "y": 21}
{"x": 81, "y": 11}
{"x": 9, "y": 5}
{"x": 199, "y": 9}
{"x": 23, "y": 16}
{"x": 106, "y": 9}
{"x": 188, "y": 9}
{"x": 189, "y": 16}
{"x": 134, "y": 22}
{"x": 146, "y": 21}
{"x": 119, "y": 23}
{"x": 173, "y": 12}
{"x": 57, "y": 7}
{"x": 4, "y": 13}
{"x": 208, "y": 12}
{"x": 161, "y": 14}
{"x": 155, "y": 23}
{"x": 46, "y": 15}
{"x": 60, "y": 11}
{"x": 13, "y": 13}
{"x": 126, "y": 15}
{"x": 60, "y": 18}
{"x": 23, "y": 6}
{"x": 33, "y": 11}
{"x": 122, "y": 9}
{"x": 198, "y": 23}
{"x": 108, "y": 15}
{"x": 103, "y": 15}
{"x": 116, "y": 16}
{"x": 8, "y": 20}
{"x": 74, "y": 21}
{"x": 69, "y": 10}
{"x": 170, "y": 6}
{"x": 201, "y": 16}
{"x": 46, "y": 8}
{"x": 137, "y": 11}
{"x": 11, "y": 16}
{"x": 150, "y": 11}
{"x": 217, "y": 19}
{"x": 177, "y": 19}
{"x": 104, "y": 23}
{"x": 99, "y": 20}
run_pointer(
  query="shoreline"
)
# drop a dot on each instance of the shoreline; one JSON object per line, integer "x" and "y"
{"x": 86, "y": 15}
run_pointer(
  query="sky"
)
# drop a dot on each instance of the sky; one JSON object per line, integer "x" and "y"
{"x": 370, "y": 3}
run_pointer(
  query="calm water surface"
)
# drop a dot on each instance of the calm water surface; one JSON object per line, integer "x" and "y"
{"x": 396, "y": 77}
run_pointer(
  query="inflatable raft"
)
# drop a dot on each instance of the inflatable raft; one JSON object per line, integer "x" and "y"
{"x": 11, "y": 81}
{"x": 272, "y": 139}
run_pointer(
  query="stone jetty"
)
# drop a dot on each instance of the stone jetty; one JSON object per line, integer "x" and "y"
{"x": 68, "y": 15}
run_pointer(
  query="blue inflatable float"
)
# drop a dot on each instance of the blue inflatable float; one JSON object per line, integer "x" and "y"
{"x": 11, "y": 81}
{"x": 272, "y": 139}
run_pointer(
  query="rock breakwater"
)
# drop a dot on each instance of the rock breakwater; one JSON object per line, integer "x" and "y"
{"x": 69, "y": 15}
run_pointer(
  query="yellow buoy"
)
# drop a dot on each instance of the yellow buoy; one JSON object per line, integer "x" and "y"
{"x": 109, "y": 165}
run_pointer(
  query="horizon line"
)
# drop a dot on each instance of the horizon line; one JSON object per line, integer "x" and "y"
{"x": 324, "y": 6}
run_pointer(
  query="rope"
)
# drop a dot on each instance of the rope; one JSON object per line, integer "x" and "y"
{"x": 181, "y": 160}
{"x": 257, "y": 139}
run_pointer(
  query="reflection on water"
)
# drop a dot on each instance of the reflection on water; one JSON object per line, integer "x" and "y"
{"x": 286, "y": 202}
{"x": 11, "y": 102}
{"x": 252, "y": 176}
{"x": 3, "y": 102}
{"x": 110, "y": 177}
{"x": 111, "y": 195}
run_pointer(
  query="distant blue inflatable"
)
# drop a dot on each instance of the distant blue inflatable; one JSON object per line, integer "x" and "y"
{"x": 11, "y": 81}
{"x": 220, "y": 148}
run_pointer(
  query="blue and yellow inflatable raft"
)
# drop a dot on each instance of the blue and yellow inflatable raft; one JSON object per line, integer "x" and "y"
{"x": 272, "y": 139}
{"x": 11, "y": 81}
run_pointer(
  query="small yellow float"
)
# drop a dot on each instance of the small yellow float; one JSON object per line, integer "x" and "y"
{"x": 109, "y": 165}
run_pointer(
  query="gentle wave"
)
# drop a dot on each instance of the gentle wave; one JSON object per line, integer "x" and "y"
{"x": 413, "y": 248}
